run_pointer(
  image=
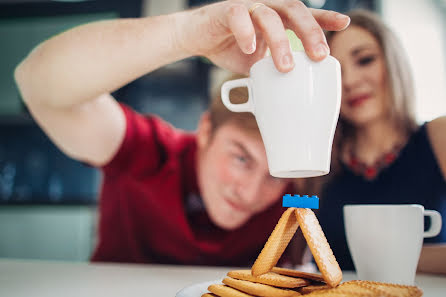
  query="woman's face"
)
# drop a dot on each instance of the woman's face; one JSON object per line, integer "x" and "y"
{"x": 364, "y": 76}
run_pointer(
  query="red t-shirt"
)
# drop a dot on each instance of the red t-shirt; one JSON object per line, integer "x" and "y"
{"x": 144, "y": 213}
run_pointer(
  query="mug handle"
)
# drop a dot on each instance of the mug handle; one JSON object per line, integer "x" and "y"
{"x": 435, "y": 227}
{"x": 228, "y": 86}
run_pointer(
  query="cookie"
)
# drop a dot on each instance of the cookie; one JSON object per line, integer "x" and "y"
{"x": 225, "y": 291}
{"x": 351, "y": 291}
{"x": 269, "y": 278}
{"x": 257, "y": 289}
{"x": 322, "y": 253}
{"x": 209, "y": 295}
{"x": 312, "y": 288}
{"x": 276, "y": 244}
{"x": 386, "y": 289}
{"x": 294, "y": 273}
{"x": 335, "y": 292}
{"x": 368, "y": 289}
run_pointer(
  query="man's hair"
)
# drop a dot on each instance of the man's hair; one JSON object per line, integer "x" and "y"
{"x": 220, "y": 114}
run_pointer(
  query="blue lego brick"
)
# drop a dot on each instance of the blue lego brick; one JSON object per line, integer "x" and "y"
{"x": 300, "y": 201}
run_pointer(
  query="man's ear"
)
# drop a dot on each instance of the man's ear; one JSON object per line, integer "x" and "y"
{"x": 204, "y": 130}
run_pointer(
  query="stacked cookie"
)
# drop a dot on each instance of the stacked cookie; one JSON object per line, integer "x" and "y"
{"x": 276, "y": 285}
{"x": 266, "y": 280}
{"x": 283, "y": 283}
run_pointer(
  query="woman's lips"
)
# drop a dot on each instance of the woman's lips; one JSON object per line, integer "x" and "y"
{"x": 357, "y": 101}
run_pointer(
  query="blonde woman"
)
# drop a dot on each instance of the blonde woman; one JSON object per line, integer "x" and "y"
{"x": 380, "y": 154}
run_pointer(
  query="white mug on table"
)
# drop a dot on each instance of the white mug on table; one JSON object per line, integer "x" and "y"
{"x": 385, "y": 241}
{"x": 296, "y": 112}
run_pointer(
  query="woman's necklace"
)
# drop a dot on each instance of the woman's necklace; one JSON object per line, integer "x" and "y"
{"x": 370, "y": 172}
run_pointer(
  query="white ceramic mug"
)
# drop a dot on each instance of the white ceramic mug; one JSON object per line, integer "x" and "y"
{"x": 296, "y": 112}
{"x": 385, "y": 241}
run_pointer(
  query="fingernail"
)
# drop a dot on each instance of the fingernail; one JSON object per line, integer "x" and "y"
{"x": 321, "y": 50}
{"x": 287, "y": 61}
{"x": 341, "y": 16}
{"x": 253, "y": 46}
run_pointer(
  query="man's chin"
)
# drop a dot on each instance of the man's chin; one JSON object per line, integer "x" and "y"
{"x": 229, "y": 224}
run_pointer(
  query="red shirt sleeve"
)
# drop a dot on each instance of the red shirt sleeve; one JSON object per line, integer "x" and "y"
{"x": 142, "y": 149}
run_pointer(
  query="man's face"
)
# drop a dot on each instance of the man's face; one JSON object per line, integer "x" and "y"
{"x": 233, "y": 174}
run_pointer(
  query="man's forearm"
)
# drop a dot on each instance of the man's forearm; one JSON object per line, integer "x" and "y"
{"x": 96, "y": 58}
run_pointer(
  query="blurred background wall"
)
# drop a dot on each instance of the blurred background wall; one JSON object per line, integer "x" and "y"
{"x": 48, "y": 202}
{"x": 421, "y": 27}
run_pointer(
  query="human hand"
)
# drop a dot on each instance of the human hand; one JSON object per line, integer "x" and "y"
{"x": 235, "y": 34}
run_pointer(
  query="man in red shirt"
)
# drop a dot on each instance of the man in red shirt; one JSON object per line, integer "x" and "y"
{"x": 173, "y": 197}
{"x": 170, "y": 197}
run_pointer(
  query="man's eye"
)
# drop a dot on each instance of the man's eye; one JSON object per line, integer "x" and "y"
{"x": 241, "y": 159}
{"x": 366, "y": 60}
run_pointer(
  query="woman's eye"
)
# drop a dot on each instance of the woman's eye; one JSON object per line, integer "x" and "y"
{"x": 366, "y": 60}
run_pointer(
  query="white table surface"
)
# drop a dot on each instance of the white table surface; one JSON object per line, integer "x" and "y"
{"x": 25, "y": 278}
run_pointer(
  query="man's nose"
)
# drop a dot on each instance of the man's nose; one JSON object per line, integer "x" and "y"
{"x": 251, "y": 190}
